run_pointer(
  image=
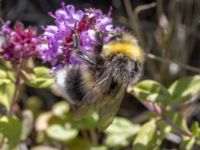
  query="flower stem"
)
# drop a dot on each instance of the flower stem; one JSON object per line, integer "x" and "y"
{"x": 94, "y": 137}
{"x": 16, "y": 91}
{"x": 165, "y": 60}
{"x": 2, "y": 141}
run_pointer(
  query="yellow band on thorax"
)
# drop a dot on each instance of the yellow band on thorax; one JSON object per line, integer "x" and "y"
{"x": 130, "y": 50}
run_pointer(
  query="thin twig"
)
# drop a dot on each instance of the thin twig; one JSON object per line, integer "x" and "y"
{"x": 142, "y": 117}
{"x": 174, "y": 126}
{"x": 144, "y": 7}
{"x": 94, "y": 137}
{"x": 193, "y": 99}
{"x": 160, "y": 11}
{"x": 16, "y": 91}
{"x": 2, "y": 141}
{"x": 135, "y": 24}
{"x": 165, "y": 60}
{"x": 133, "y": 19}
{"x": 85, "y": 135}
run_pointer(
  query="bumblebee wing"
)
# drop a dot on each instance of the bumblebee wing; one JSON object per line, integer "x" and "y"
{"x": 93, "y": 99}
{"x": 111, "y": 106}
{"x": 100, "y": 88}
{"x": 106, "y": 107}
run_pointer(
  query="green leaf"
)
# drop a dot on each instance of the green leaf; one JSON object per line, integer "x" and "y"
{"x": 27, "y": 124}
{"x": 42, "y": 71}
{"x": 82, "y": 144}
{"x": 62, "y": 133}
{"x": 177, "y": 119}
{"x": 120, "y": 132}
{"x": 183, "y": 89}
{"x": 10, "y": 128}
{"x": 146, "y": 136}
{"x": 34, "y": 104}
{"x": 79, "y": 144}
{"x": 187, "y": 143}
{"x": 43, "y": 77}
{"x": 4, "y": 81}
{"x": 6, "y": 94}
{"x": 60, "y": 108}
{"x": 3, "y": 74}
{"x": 195, "y": 129}
{"x": 163, "y": 126}
{"x": 4, "y": 78}
{"x": 39, "y": 82}
{"x": 43, "y": 147}
{"x": 43, "y": 82}
{"x": 121, "y": 125}
{"x": 116, "y": 140}
{"x": 89, "y": 122}
{"x": 151, "y": 91}
{"x": 39, "y": 77}
{"x": 164, "y": 130}
{"x": 98, "y": 148}
{"x": 11, "y": 75}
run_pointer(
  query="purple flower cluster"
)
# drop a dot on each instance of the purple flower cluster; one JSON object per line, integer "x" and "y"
{"x": 56, "y": 44}
{"x": 59, "y": 49}
{"x": 20, "y": 43}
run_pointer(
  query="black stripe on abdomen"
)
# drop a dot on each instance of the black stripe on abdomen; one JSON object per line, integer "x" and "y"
{"x": 74, "y": 85}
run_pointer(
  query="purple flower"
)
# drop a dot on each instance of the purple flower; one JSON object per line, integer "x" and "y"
{"x": 20, "y": 43}
{"x": 59, "y": 48}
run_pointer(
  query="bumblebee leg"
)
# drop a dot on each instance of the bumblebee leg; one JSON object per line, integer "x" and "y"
{"x": 76, "y": 43}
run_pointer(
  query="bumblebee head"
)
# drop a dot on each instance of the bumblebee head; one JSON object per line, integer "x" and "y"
{"x": 125, "y": 44}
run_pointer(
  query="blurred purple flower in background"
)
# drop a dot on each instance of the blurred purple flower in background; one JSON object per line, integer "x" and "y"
{"x": 20, "y": 43}
{"x": 58, "y": 49}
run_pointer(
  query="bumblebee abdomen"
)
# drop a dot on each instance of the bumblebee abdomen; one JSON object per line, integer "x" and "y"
{"x": 73, "y": 85}
{"x": 74, "y": 82}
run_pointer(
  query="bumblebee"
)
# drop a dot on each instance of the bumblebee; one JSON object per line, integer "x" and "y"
{"x": 99, "y": 84}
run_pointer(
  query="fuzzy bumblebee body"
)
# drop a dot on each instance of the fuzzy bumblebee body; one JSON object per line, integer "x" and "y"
{"x": 125, "y": 56}
{"x": 101, "y": 86}
{"x": 125, "y": 44}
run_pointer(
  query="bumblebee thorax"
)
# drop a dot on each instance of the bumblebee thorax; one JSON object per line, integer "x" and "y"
{"x": 123, "y": 69}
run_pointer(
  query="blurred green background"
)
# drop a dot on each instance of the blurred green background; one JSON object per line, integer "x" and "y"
{"x": 168, "y": 29}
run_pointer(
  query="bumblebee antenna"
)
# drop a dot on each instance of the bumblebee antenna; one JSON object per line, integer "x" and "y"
{"x": 76, "y": 43}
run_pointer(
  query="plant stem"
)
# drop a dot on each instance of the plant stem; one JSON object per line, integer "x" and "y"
{"x": 2, "y": 142}
{"x": 85, "y": 135}
{"x": 180, "y": 131}
{"x": 16, "y": 91}
{"x": 94, "y": 137}
{"x": 165, "y": 60}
